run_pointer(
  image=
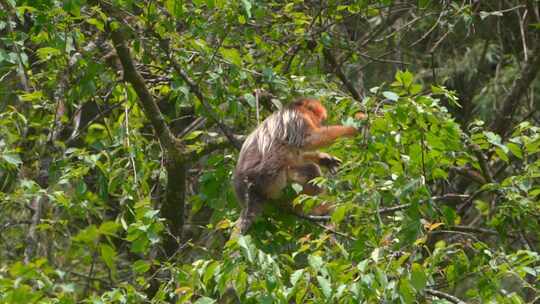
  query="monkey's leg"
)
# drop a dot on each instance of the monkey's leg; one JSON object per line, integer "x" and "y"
{"x": 247, "y": 216}
{"x": 303, "y": 174}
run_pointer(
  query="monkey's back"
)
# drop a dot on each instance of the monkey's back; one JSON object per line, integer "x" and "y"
{"x": 261, "y": 171}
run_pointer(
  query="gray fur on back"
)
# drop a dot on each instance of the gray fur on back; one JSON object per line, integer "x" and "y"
{"x": 285, "y": 127}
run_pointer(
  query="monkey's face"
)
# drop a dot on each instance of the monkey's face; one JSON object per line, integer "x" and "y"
{"x": 316, "y": 109}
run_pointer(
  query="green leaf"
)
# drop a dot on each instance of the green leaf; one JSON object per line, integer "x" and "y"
{"x": 73, "y": 6}
{"x": 493, "y": 138}
{"x": 205, "y": 300}
{"x": 247, "y": 7}
{"x": 406, "y": 291}
{"x": 534, "y": 192}
{"x": 232, "y": 55}
{"x": 244, "y": 242}
{"x": 418, "y": 277}
{"x": 45, "y": 53}
{"x": 326, "y": 287}
{"x": 97, "y": 23}
{"x": 339, "y": 214}
{"x": 316, "y": 262}
{"x": 109, "y": 228}
{"x": 502, "y": 155}
{"x": 209, "y": 271}
{"x": 88, "y": 235}
{"x": 108, "y": 254}
{"x": 405, "y": 78}
{"x": 391, "y": 95}
{"x": 533, "y": 146}
{"x": 34, "y": 96}
{"x": 141, "y": 266}
{"x": 12, "y": 159}
{"x": 295, "y": 276}
{"x": 515, "y": 149}
{"x": 174, "y": 7}
{"x": 240, "y": 281}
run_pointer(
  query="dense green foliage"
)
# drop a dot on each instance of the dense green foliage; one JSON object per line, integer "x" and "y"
{"x": 437, "y": 201}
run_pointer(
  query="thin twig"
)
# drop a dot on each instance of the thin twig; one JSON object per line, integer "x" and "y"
{"x": 331, "y": 230}
{"x": 90, "y": 276}
{"x": 445, "y": 197}
{"x": 444, "y": 295}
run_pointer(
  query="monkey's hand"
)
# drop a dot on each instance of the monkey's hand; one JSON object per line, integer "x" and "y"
{"x": 330, "y": 162}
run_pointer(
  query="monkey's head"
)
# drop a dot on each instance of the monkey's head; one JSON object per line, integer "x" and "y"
{"x": 312, "y": 107}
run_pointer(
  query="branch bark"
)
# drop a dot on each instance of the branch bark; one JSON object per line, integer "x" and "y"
{"x": 502, "y": 121}
{"x": 147, "y": 102}
{"x": 329, "y": 56}
{"x": 444, "y": 295}
{"x": 172, "y": 209}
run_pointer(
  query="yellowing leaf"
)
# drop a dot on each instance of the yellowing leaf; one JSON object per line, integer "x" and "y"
{"x": 182, "y": 290}
{"x": 433, "y": 226}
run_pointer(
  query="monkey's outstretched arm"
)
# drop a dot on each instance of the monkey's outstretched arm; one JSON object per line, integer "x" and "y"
{"x": 324, "y": 136}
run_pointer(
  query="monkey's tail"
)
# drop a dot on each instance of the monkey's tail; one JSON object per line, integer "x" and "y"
{"x": 251, "y": 201}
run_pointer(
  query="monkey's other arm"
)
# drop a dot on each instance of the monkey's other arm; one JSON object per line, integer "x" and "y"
{"x": 323, "y": 159}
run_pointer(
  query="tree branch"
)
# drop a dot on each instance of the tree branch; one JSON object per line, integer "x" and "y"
{"x": 502, "y": 121}
{"x": 482, "y": 161}
{"x": 137, "y": 82}
{"x": 446, "y": 197}
{"x": 443, "y": 295}
{"x": 470, "y": 174}
{"x": 172, "y": 209}
{"x": 329, "y": 56}
{"x": 196, "y": 90}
